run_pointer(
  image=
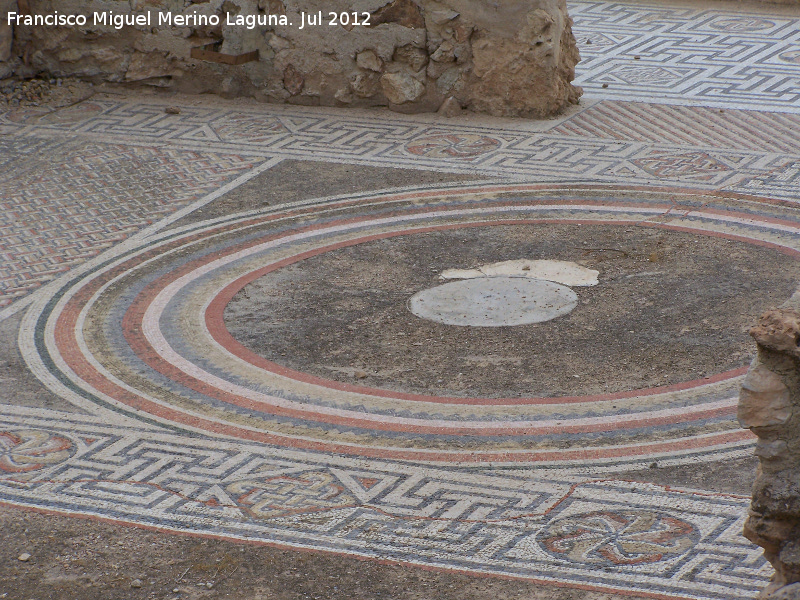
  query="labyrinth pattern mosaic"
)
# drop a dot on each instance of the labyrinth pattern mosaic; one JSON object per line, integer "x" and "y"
{"x": 173, "y": 160}
{"x": 198, "y": 395}
{"x": 680, "y": 54}
{"x": 141, "y": 340}
{"x": 593, "y": 534}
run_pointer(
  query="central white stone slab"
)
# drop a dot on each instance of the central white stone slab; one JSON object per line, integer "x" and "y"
{"x": 560, "y": 271}
{"x": 494, "y": 302}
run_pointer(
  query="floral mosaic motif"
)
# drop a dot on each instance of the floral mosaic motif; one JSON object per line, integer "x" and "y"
{"x": 248, "y": 128}
{"x": 27, "y": 450}
{"x": 286, "y": 495}
{"x": 451, "y": 145}
{"x": 625, "y": 537}
{"x": 740, "y": 24}
{"x": 697, "y": 166}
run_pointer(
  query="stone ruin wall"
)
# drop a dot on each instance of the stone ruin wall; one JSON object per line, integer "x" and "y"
{"x": 769, "y": 405}
{"x": 505, "y": 58}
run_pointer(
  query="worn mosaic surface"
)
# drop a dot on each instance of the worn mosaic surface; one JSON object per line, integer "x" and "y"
{"x": 688, "y": 54}
{"x": 178, "y": 425}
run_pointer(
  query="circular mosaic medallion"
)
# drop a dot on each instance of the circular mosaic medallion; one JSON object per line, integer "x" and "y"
{"x": 249, "y": 128}
{"x": 185, "y": 330}
{"x": 268, "y": 497}
{"x": 619, "y": 538}
{"x": 452, "y": 145}
{"x": 27, "y": 450}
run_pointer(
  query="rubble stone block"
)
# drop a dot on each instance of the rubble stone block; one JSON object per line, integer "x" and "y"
{"x": 400, "y": 88}
{"x": 779, "y": 330}
{"x": 769, "y": 404}
{"x": 369, "y": 60}
{"x": 764, "y": 399}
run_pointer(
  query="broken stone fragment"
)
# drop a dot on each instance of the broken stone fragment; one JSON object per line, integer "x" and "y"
{"x": 7, "y": 69}
{"x": 414, "y": 57}
{"x": 790, "y": 554}
{"x": 440, "y": 17}
{"x": 540, "y": 24}
{"x": 147, "y": 66}
{"x": 364, "y": 85}
{"x": 462, "y": 32}
{"x": 450, "y": 108}
{"x": 444, "y": 53}
{"x": 764, "y": 399}
{"x": 400, "y": 88}
{"x": 771, "y": 450}
{"x": 278, "y": 43}
{"x": 767, "y": 532}
{"x": 370, "y": 61}
{"x": 343, "y": 95}
{"x": 776, "y": 497}
{"x": 450, "y": 81}
{"x": 559, "y": 271}
{"x": 402, "y": 12}
{"x": 70, "y": 55}
{"x": 273, "y": 7}
{"x": 293, "y": 80}
{"x": 779, "y": 330}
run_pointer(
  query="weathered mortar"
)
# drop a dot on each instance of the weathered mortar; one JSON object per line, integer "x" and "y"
{"x": 513, "y": 58}
{"x": 769, "y": 404}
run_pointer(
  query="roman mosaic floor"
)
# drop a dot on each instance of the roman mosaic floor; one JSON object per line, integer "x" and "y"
{"x": 205, "y": 326}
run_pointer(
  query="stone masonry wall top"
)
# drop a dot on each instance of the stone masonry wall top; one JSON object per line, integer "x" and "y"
{"x": 505, "y": 58}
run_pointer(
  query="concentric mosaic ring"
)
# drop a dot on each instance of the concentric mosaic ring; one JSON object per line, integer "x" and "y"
{"x": 143, "y": 334}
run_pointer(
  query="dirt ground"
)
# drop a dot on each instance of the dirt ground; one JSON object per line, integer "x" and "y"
{"x": 78, "y": 559}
